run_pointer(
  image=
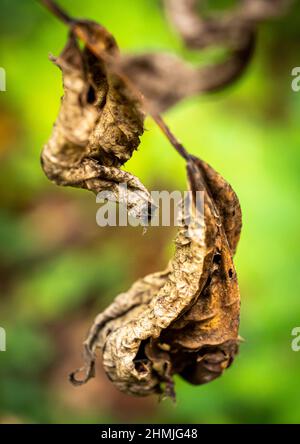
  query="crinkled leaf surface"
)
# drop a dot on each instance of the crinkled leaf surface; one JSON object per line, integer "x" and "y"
{"x": 98, "y": 128}
{"x": 182, "y": 321}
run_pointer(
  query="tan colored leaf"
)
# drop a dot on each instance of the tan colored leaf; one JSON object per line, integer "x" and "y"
{"x": 97, "y": 130}
{"x": 184, "y": 320}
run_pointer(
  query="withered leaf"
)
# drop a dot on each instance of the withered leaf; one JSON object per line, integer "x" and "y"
{"x": 98, "y": 127}
{"x": 166, "y": 79}
{"x": 228, "y": 28}
{"x": 182, "y": 321}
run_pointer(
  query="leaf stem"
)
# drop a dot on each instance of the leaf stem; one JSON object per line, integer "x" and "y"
{"x": 170, "y": 136}
{"x": 57, "y": 11}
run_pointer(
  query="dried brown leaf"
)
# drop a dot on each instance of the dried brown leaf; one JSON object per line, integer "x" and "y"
{"x": 166, "y": 79}
{"x": 230, "y": 28}
{"x": 184, "y": 320}
{"x": 98, "y": 127}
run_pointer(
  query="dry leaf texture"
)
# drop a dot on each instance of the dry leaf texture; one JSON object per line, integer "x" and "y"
{"x": 98, "y": 128}
{"x": 182, "y": 321}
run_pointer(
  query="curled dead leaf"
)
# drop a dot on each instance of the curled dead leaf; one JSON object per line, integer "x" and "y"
{"x": 98, "y": 128}
{"x": 166, "y": 79}
{"x": 182, "y": 321}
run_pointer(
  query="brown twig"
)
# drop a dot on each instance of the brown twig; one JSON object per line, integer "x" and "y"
{"x": 58, "y": 11}
{"x": 170, "y": 136}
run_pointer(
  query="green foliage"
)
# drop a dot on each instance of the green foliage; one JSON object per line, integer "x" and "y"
{"x": 249, "y": 132}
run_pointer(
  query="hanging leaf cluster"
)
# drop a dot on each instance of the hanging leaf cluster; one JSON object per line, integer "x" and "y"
{"x": 184, "y": 320}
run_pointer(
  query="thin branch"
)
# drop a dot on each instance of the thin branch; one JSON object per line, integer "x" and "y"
{"x": 58, "y": 11}
{"x": 170, "y": 136}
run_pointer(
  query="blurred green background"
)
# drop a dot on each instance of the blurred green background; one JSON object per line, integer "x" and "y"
{"x": 58, "y": 269}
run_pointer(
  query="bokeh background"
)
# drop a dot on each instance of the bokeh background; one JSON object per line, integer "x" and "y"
{"x": 58, "y": 269}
